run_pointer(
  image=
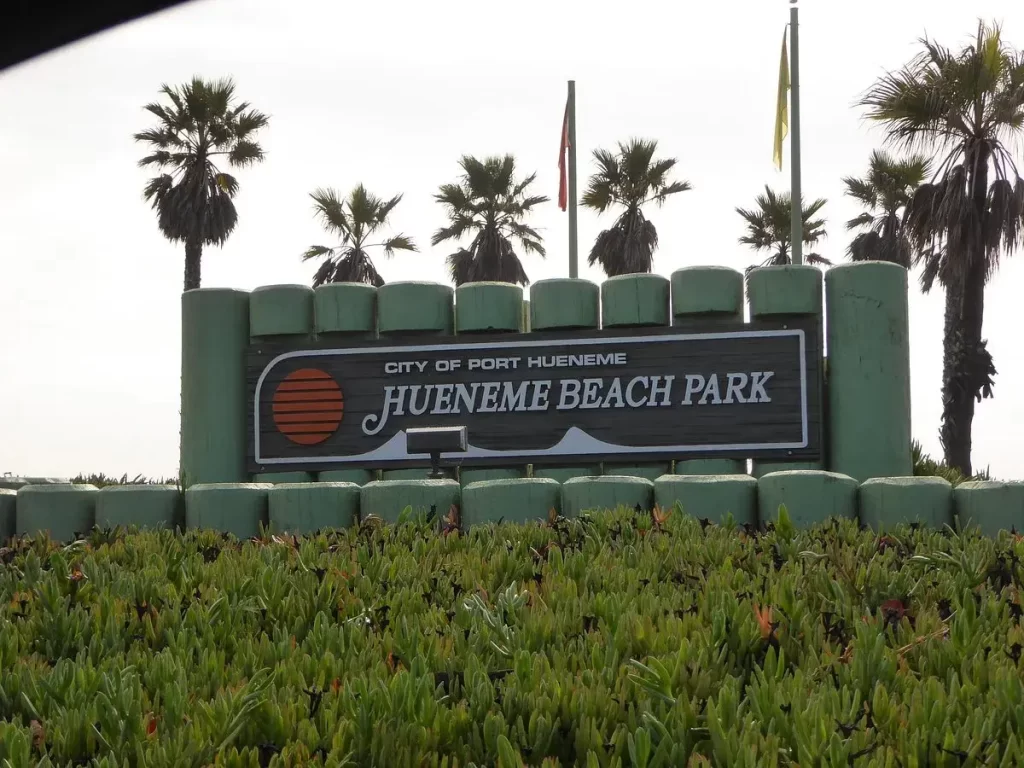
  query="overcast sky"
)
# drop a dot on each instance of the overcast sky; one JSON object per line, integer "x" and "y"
{"x": 391, "y": 94}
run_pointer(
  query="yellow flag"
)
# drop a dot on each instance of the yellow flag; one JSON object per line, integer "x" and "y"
{"x": 782, "y": 108}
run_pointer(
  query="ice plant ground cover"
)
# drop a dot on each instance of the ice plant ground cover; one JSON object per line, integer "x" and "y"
{"x": 620, "y": 639}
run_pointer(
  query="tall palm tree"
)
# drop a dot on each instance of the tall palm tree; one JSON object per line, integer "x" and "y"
{"x": 193, "y": 197}
{"x": 631, "y": 179}
{"x": 354, "y": 219}
{"x": 489, "y": 203}
{"x": 967, "y": 107}
{"x": 769, "y": 228}
{"x": 885, "y": 192}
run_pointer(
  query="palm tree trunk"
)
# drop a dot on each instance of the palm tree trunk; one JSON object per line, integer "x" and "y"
{"x": 950, "y": 329}
{"x": 193, "y": 257}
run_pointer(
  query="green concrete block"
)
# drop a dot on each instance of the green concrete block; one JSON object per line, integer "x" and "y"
{"x": 488, "y": 307}
{"x": 564, "y": 304}
{"x": 411, "y": 307}
{"x": 585, "y": 494}
{"x": 784, "y": 290}
{"x": 345, "y": 308}
{"x": 63, "y": 511}
{"x": 281, "y": 310}
{"x": 563, "y": 474}
{"x": 703, "y": 294}
{"x": 650, "y": 471}
{"x": 868, "y": 370}
{"x": 710, "y": 467}
{"x": 14, "y": 483}
{"x": 483, "y": 474}
{"x": 710, "y": 497}
{"x": 811, "y": 497}
{"x": 235, "y": 508}
{"x": 635, "y": 300}
{"x": 357, "y": 476}
{"x": 761, "y": 467}
{"x": 417, "y": 473}
{"x": 388, "y": 498}
{"x": 8, "y": 510}
{"x": 990, "y": 505}
{"x": 302, "y": 508}
{"x": 509, "y": 501}
{"x": 885, "y": 502}
{"x": 283, "y": 477}
{"x": 214, "y": 338}
{"x": 154, "y": 507}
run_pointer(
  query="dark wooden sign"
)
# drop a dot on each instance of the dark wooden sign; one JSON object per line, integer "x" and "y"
{"x": 635, "y": 394}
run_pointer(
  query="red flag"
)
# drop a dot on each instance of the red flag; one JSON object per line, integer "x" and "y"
{"x": 563, "y": 192}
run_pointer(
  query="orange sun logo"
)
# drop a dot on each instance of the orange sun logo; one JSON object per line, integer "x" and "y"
{"x": 308, "y": 406}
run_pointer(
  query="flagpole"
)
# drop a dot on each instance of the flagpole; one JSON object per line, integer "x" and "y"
{"x": 797, "y": 233}
{"x": 573, "y": 255}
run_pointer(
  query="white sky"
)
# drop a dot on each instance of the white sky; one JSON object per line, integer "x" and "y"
{"x": 391, "y": 95}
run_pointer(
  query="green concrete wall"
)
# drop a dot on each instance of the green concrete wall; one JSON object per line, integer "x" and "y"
{"x": 155, "y": 507}
{"x": 886, "y": 502}
{"x": 62, "y": 511}
{"x": 587, "y": 494}
{"x": 415, "y": 308}
{"x": 777, "y": 293}
{"x": 277, "y": 311}
{"x": 811, "y": 497}
{"x": 990, "y": 505}
{"x": 710, "y": 467}
{"x": 214, "y": 337}
{"x": 710, "y": 497}
{"x": 388, "y": 498}
{"x": 345, "y": 310}
{"x": 469, "y": 475}
{"x": 489, "y": 308}
{"x": 302, "y": 508}
{"x": 509, "y": 501}
{"x": 8, "y": 508}
{"x": 869, "y": 370}
{"x": 354, "y": 475}
{"x": 235, "y": 508}
{"x": 276, "y": 478}
{"x": 562, "y": 304}
{"x": 561, "y": 474}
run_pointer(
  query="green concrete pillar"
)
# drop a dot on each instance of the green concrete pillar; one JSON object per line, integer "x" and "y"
{"x": 710, "y": 497}
{"x": 885, "y": 502}
{"x": 353, "y": 475}
{"x": 214, "y": 337}
{"x": 598, "y": 494}
{"x": 279, "y": 314}
{"x": 509, "y": 501}
{"x": 64, "y": 511}
{"x": 303, "y": 508}
{"x": 414, "y": 309}
{"x": 235, "y": 508}
{"x": 345, "y": 312}
{"x": 635, "y": 301}
{"x": 488, "y": 308}
{"x": 811, "y": 497}
{"x": 868, "y": 370}
{"x": 707, "y": 299}
{"x": 387, "y": 499}
{"x": 153, "y": 507}
{"x": 565, "y": 304}
{"x": 780, "y": 293}
{"x": 8, "y": 509}
{"x": 990, "y": 505}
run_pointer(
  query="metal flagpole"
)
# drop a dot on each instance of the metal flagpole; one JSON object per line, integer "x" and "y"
{"x": 797, "y": 233}
{"x": 573, "y": 255}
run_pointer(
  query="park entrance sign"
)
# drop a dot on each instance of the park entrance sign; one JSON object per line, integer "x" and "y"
{"x": 749, "y": 391}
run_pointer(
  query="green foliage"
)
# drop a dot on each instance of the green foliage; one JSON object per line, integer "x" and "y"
{"x": 101, "y": 480}
{"x": 620, "y": 639}
{"x": 769, "y": 228}
{"x": 925, "y": 465}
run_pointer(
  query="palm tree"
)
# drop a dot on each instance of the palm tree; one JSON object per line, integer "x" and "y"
{"x": 769, "y": 228}
{"x": 489, "y": 203}
{"x": 631, "y": 179}
{"x": 354, "y": 219}
{"x": 193, "y": 197}
{"x": 967, "y": 107}
{"x": 885, "y": 193}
